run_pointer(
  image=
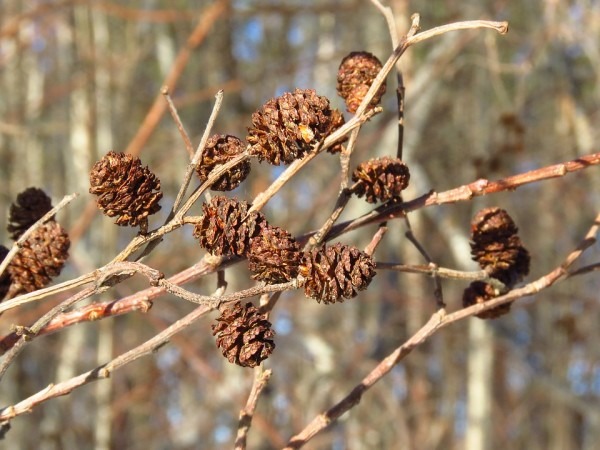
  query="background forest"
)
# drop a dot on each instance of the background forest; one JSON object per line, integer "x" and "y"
{"x": 79, "y": 78}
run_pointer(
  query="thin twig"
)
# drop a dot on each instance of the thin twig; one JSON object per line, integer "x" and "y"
{"x": 196, "y": 157}
{"x": 30, "y": 332}
{"x": 437, "y": 286}
{"x": 147, "y": 348}
{"x": 175, "y": 115}
{"x": 341, "y": 202}
{"x": 465, "y": 193}
{"x": 245, "y": 421}
{"x": 376, "y": 240}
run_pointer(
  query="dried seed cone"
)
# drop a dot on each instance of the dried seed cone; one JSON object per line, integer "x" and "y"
{"x": 5, "y": 277}
{"x": 480, "y": 292}
{"x": 356, "y": 74}
{"x": 222, "y": 148}
{"x": 336, "y": 272}
{"x": 274, "y": 256}
{"x": 41, "y": 258}
{"x": 287, "y": 127}
{"x": 30, "y": 206}
{"x": 492, "y": 224}
{"x": 226, "y": 228}
{"x": 244, "y": 335}
{"x": 125, "y": 189}
{"x": 381, "y": 179}
{"x": 496, "y": 246}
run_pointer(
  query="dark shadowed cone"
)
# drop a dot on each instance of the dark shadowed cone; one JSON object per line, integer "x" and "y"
{"x": 336, "y": 272}
{"x": 274, "y": 256}
{"x": 381, "y": 179}
{"x": 496, "y": 246}
{"x": 226, "y": 228}
{"x": 41, "y": 258}
{"x": 125, "y": 189}
{"x": 491, "y": 224}
{"x": 5, "y": 277}
{"x": 480, "y": 292}
{"x": 220, "y": 149}
{"x": 355, "y": 76}
{"x": 287, "y": 127}
{"x": 30, "y": 206}
{"x": 505, "y": 259}
{"x": 244, "y": 335}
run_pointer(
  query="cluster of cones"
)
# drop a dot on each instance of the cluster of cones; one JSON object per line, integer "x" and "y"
{"x": 284, "y": 129}
{"x": 41, "y": 255}
{"x": 499, "y": 251}
{"x": 329, "y": 274}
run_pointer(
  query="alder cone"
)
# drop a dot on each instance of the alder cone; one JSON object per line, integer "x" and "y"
{"x": 244, "y": 335}
{"x": 336, "y": 272}
{"x": 222, "y": 148}
{"x": 492, "y": 224}
{"x": 41, "y": 258}
{"x": 480, "y": 292}
{"x": 274, "y": 256}
{"x": 506, "y": 259}
{"x": 496, "y": 246}
{"x": 356, "y": 74}
{"x": 381, "y": 179}
{"x": 226, "y": 228}
{"x": 125, "y": 189}
{"x": 285, "y": 128}
{"x": 5, "y": 277}
{"x": 29, "y": 207}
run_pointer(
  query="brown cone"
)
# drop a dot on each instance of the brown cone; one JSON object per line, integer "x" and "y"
{"x": 274, "y": 256}
{"x": 41, "y": 258}
{"x": 381, "y": 179}
{"x": 5, "y": 277}
{"x": 226, "y": 228}
{"x": 125, "y": 189}
{"x": 491, "y": 224}
{"x": 480, "y": 292}
{"x": 244, "y": 335}
{"x": 220, "y": 149}
{"x": 30, "y": 206}
{"x": 336, "y": 272}
{"x": 496, "y": 246}
{"x": 287, "y": 127}
{"x": 356, "y": 74}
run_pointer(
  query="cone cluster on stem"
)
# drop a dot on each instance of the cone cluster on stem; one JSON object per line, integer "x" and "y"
{"x": 499, "y": 251}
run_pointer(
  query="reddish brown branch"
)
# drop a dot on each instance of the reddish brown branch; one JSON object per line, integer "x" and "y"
{"x": 465, "y": 193}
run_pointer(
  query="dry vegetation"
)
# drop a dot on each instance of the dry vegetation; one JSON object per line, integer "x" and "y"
{"x": 390, "y": 355}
